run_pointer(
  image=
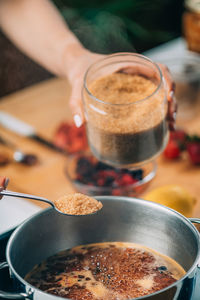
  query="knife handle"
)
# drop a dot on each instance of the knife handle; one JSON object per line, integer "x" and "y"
{"x": 48, "y": 144}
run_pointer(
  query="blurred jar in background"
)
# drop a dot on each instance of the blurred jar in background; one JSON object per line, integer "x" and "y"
{"x": 191, "y": 24}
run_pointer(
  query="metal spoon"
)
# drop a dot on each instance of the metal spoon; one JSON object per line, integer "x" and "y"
{"x": 27, "y": 159}
{"x": 27, "y": 196}
{"x": 18, "y": 155}
{"x": 33, "y": 197}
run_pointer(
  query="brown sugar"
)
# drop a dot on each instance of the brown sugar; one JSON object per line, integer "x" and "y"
{"x": 77, "y": 204}
{"x": 125, "y": 112}
{"x": 127, "y": 122}
{"x": 121, "y": 88}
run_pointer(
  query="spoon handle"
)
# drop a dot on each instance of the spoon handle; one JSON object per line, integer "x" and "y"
{"x": 7, "y": 143}
{"x": 27, "y": 196}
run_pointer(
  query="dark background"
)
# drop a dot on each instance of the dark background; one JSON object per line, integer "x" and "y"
{"x": 104, "y": 26}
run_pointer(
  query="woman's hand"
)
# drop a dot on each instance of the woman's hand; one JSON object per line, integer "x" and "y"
{"x": 48, "y": 40}
{"x": 78, "y": 60}
{"x": 3, "y": 183}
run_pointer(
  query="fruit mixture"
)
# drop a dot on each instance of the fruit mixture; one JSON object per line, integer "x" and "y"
{"x": 102, "y": 271}
{"x": 91, "y": 172}
{"x": 179, "y": 142}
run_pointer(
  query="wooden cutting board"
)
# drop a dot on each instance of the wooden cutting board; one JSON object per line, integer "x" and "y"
{"x": 44, "y": 106}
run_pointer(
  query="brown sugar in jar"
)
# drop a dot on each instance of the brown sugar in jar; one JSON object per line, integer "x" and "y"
{"x": 126, "y": 118}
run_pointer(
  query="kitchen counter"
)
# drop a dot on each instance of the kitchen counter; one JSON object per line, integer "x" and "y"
{"x": 44, "y": 106}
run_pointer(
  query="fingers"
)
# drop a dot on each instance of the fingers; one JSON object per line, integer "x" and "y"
{"x": 170, "y": 85}
{"x": 171, "y": 113}
{"x": 172, "y": 105}
{"x": 142, "y": 70}
{"x": 75, "y": 103}
{"x": 3, "y": 183}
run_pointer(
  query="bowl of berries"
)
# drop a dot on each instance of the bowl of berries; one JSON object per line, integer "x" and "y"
{"x": 92, "y": 177}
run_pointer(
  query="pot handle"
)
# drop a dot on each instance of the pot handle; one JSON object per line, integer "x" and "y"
{"x": 195, "y": 221}
{"x": 197, "y": 284}
{"x": 16, "y": 296}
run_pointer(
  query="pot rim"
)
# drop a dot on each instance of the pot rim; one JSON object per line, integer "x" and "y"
{"x": 118, "y": 198}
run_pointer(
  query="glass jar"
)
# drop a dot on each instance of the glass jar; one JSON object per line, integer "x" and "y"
{"x": 125, "y": 108}
{"x": 191, "y": 24}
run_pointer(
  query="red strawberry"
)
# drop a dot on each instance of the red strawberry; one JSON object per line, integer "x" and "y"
{"x": 71, "y": 138}
{"x": 172, "y": 150}
{"x": 180, "y": 137}
{"x": 193, "y": 149}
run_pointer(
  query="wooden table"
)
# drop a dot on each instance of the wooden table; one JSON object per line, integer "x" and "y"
{"x": 44, "y": 106}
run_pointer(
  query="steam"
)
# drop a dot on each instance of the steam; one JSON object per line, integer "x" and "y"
{"x": 104, "y": 33}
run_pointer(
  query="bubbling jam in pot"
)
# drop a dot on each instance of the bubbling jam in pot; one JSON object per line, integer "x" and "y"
{"x": 114, "y": 271}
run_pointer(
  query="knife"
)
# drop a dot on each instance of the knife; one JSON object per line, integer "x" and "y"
{"x": 26, "y": 130}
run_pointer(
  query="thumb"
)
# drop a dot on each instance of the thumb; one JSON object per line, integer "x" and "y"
{"x": 76, "y": 104}
{"x": 3, "y": 184}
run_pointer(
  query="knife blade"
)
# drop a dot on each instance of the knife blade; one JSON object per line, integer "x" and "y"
{"x": 15, "y": 125}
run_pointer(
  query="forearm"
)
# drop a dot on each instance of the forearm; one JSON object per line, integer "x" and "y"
{"x": 37, "y": 28}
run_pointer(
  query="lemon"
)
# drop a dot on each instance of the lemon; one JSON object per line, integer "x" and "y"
{"x": 173, "y": 196}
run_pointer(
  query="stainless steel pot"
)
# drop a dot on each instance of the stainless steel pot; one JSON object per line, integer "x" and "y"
{"x": 121, "y": 219}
